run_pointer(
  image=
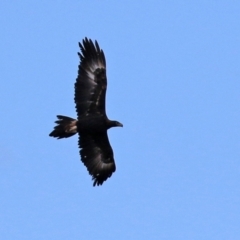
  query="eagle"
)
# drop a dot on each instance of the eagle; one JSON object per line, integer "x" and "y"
{"x": 92, "y": 122}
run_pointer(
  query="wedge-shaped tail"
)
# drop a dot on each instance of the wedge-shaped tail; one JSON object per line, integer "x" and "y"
{"x": 66, "y": 127}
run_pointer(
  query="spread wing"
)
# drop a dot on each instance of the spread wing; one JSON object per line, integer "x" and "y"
{"x": 91, "y": 83}
{"x": 97, "y": 155}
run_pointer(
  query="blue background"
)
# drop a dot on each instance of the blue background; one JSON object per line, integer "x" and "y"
{"x": 173, "y": 81}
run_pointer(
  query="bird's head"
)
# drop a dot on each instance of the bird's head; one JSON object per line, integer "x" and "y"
{"x": 114, "y": 124}
{"x": 118, "y": 124}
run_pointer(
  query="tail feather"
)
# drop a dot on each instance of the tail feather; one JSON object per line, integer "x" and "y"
{"x": 66, "y": 127}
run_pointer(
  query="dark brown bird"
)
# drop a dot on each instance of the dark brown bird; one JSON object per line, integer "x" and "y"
{"x": 92, "y": 122}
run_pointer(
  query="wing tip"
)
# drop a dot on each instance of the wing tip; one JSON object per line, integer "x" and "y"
{"x": 90, "y": 49}
{"x": 99, "y": 179}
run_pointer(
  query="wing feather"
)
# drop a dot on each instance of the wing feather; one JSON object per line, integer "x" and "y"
{"x": 91, "y": 83}
{"x": 97, "y": 155}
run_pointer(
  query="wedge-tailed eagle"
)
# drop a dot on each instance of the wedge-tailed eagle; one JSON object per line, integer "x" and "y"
{"x": 92, "y": 122}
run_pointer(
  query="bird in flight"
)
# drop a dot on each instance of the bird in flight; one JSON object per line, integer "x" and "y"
{"x": 92, "y": 122}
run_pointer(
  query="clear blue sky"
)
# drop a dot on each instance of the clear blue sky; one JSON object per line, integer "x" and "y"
{"x": 173, "y": 81}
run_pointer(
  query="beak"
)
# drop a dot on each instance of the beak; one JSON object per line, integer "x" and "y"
{"x": 120, "y": 125}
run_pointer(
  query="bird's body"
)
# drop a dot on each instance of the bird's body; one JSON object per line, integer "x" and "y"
{"x": 92, "y": 123}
